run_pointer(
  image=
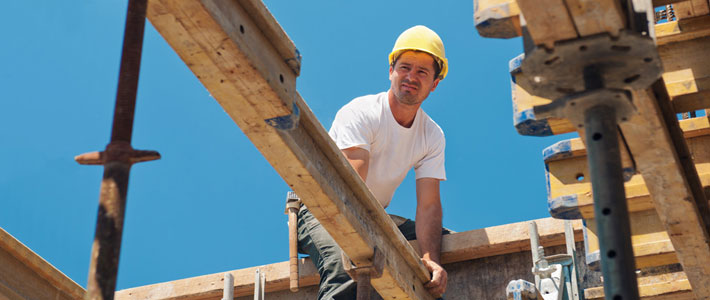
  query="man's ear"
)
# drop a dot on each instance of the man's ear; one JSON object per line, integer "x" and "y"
{"x": 391, "y": 70}
{"x": 436, "y": 83}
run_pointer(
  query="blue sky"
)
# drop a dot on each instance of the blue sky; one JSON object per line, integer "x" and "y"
{"x": 213, "y": 203}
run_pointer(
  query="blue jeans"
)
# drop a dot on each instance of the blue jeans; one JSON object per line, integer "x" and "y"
{"x": 314, "y": 240}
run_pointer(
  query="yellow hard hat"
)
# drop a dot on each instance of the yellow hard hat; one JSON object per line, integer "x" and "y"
{"x": 421, "y": 38}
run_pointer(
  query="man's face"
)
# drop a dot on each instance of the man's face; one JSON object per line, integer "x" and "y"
{"x": 412, "y": 77}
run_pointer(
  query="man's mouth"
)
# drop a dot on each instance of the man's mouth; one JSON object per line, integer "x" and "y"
{"x": 411, "y": 87}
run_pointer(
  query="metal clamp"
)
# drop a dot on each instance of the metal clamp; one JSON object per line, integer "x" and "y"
{"x": 363, "y": 274}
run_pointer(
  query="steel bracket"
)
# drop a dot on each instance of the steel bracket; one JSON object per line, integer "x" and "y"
{"x": 629, "y": 61}
{"x": 573, "y": 106}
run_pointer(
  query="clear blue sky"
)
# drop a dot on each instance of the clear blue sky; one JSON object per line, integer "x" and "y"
{"x": 213, "y": 203}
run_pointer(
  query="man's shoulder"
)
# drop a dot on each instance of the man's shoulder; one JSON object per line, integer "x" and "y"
{"x": 367, "y": 102}
{"x": 364, "y": 106}
{"x": 431, "y": 128}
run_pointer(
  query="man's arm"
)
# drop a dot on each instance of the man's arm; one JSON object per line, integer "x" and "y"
{"x": 360, "y": 160}
{"x": 428, "y": 228}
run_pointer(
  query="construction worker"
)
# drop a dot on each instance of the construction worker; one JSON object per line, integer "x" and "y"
{"x": 383, "y": 136}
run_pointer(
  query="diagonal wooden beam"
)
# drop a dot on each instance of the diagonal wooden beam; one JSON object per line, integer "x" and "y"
{"x": 228, "y": 47}
{"x": 26, "y": 275}
{"x": 656, "y": 143}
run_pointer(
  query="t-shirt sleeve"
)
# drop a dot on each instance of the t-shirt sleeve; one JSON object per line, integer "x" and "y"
{"x": 432, "y": 165}
{"x": 352, "y": 127}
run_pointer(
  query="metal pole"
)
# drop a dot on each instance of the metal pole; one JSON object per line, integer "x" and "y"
{"x": 610, "y": 210}
{"x": 228, "y": 292}
{"x": 535, "y": 248}
{"x": 117, "y": 159}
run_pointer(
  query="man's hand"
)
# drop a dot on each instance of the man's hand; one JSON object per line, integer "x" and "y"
{"x": 437, "y": 285}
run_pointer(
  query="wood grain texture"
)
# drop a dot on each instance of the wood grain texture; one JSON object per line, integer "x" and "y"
{"x": 456, "y": 247}
{"x": 224, "y": 47}
{"x": 649, "y": 239}
{"x": 596, "y": 16}
{"x": 26, "y": 275}
{"x": 654, "y": 150}
{"x": 686, "y": 66}
{"x": 563, "y": 172}
{"x": 497, "y": 18}
{"x": 657, "y": 287}
{"x": 500, "y": 19}
{"x": 682, "y": 30}
{"x": 547, "y": 21}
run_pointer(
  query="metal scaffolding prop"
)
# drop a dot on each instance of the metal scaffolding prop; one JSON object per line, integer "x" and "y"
{"x": 117, "y": 159}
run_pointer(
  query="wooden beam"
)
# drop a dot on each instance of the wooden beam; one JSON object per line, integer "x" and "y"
{"x": 565, "y": 162}
{"x": 547, "y": 21}
{"x": 497, "y": 18}
{"x": 212, "y": 285}
{"x": 686, "y": 67}
{"x": 649, "y": 239}
{"x": 223, "y": 44}
{"x": 26, "y": 275}
{"x": 655, "y": 140}
{"x": 691, "y": 8}
{"x": 501, "y": 19}
{"x": 456, "y": 247}
{"x": 596, "y": 16}
{"x": 682, "y": 30}
{"x": 671, "y": 286}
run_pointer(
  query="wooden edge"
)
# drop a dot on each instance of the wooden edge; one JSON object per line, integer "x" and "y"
{"x": 670, "y": 286}
{"x": 682, "y": 30}
{"x": 271, "y": 28}
{"x": 497, "y": 19}
{"x": 574, "y": 147}
{"x": 39, "y": 266}
{"x": 456, "y": 247}
{"x": 691, "y": 102}
{"x": 656, "y": 142}
{"x": 500, "y": 19}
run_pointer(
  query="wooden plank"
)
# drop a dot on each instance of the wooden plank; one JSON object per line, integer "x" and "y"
{"x": 571, "y": 198}
{"x": 691, "y": 102}
{"x": 26, "y": 275}
{"x": 691, "y": 8}
{"x": 249, "y": 78}
{"x": 649, "y": 239}
{"x": 682, "y": 30}
{"x": 596, "y": 16}
{"x": 497, "y": 18}
{"x": 456, "y": 247}
{"x": 655, "y": 140}
{"x": 686, "y": 67}
{"x": 657, "y": 287}
{"x": 500, "y": 19}
{"x": 211, "y": 286}
{"x": 547, "y": 21}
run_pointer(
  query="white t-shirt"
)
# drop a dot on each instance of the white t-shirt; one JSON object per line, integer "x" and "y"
{"x": 367, "y": 122}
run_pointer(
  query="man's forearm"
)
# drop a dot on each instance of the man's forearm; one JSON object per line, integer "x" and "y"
{"x": 428, "y": 228}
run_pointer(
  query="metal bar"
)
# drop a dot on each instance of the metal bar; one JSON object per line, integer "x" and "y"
{"x": 228, "y": 293}
{"x": 572, "y": 250}
{"x": 363, "y": 284}
{"x": 535, "y": 248}
{"x": 259, "y": 285}
{"x": 117, "y": 160}
{"x": 293, "y": 204}
{"x": 618, "y": 266}
{"x": 129, "y": 71}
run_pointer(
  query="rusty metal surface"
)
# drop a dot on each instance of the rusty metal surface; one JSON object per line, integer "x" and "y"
{"x": 117, "y": 159}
